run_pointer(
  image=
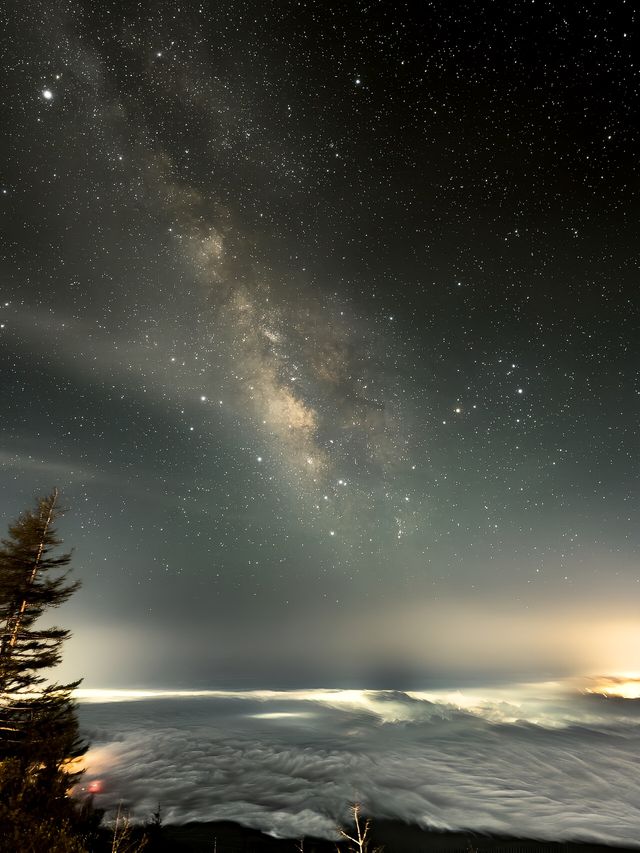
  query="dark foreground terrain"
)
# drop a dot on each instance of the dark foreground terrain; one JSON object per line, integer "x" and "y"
{"x": 396, "y": 837}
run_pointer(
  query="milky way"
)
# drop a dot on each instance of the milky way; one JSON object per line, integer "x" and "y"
{"x": 324, "y": 321}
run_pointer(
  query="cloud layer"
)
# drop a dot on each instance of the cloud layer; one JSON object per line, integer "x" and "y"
{"x": 540, "y": 763}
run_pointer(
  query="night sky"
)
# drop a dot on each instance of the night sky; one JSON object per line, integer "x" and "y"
{"x": 324, "y": 319}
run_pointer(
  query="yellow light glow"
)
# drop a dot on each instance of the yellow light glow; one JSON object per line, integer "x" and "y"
{"x": 625, "y": 686}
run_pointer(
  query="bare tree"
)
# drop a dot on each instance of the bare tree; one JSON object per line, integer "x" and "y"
{"x": 124, "y": 840}
{"x": 360, "y": 842}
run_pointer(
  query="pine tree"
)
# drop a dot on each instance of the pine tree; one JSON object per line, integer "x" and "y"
{"x": 38, "y": 723}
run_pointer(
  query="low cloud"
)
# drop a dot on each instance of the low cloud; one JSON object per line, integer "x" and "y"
{"x": 291, "y": 763}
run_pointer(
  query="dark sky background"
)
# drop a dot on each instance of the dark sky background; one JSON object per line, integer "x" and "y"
{"x": 324, "y": 318}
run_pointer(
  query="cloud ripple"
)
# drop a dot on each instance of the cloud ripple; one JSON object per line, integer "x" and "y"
{"x": 556, "y": 766}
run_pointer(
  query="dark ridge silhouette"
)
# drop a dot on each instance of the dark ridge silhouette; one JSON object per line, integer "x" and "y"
{"x": 395, "y": 836}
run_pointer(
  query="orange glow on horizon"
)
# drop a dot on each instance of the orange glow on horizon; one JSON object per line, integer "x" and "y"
{"x": 621, "y": 687}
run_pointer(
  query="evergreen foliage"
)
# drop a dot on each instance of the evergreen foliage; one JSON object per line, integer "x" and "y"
{"x": 38, "y": 724}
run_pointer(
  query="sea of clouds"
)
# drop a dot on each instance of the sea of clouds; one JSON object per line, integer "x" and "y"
{"x": 547, "y": 761}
